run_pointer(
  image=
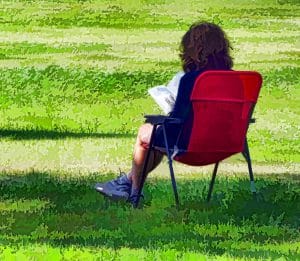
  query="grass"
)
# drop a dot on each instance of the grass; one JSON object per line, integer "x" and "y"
{"x": 73, "y": 80}
{"x": 62, "y": 211}
{"x": 76, "y": 100}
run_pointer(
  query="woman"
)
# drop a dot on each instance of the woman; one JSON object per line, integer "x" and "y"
{"x": 203, "y": 47}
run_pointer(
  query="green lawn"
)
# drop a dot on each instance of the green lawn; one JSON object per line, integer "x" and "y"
{"x": 74, "y": 77}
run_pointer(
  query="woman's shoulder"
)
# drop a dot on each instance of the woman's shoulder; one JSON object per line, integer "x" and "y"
{"x": 191, "y": 76}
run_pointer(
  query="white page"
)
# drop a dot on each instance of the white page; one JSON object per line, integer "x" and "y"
{"x": 173, "y": 85}
{"x": 165, "y": 96}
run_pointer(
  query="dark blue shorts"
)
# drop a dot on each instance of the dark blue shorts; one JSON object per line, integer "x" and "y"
{"x": 172, "y": 136}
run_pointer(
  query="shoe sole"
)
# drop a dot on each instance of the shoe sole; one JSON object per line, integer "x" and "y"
{"x": 116, "y": 195}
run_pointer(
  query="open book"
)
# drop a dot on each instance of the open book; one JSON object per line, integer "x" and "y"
{"x": 165, "y": 96}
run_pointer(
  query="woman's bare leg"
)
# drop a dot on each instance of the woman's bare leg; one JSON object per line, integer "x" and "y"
{"x": 126, "y": 186}
{"x": 139, "y": 155}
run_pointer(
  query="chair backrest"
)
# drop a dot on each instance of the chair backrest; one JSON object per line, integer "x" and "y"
{"x": 222, "y": 104}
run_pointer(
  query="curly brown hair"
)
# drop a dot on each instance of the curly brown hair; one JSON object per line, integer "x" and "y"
{"x": 205, "y": 46}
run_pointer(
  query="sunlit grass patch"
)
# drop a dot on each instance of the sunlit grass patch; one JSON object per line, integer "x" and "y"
{"x": 103, "y": 152}
{"x": 24, "y": 48}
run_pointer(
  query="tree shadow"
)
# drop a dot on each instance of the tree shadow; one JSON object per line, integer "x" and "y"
{"x": 65, "y": 211}
{"x": 47, "y": 134}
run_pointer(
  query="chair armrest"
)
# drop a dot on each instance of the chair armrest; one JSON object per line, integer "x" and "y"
{"x": 161, "y": 119}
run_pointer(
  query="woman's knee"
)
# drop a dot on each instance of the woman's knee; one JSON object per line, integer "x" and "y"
{"x": 144, "y": 133}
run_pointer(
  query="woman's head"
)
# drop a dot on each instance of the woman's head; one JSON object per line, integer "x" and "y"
{"x": 205, "y": 46}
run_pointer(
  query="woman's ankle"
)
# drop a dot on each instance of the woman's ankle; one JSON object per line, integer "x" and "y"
{"x": 129, "y": 176}
{"x": 134, "y": 191}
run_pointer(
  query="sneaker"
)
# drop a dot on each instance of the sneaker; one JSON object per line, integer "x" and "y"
{"x": 117, "y": 189}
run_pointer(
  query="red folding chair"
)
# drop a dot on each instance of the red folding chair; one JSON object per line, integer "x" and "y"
{"x": 222, "y": 107}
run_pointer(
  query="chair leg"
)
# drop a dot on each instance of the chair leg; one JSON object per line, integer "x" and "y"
{"x": 171, "y": 168}
{"x": 212, "y": 182}
{"x": 173, "y": 181}
{"x": 144, "y": 171}
{"x": 246, "y": 154}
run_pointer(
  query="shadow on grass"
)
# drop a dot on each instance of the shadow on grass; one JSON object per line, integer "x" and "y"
{"x": 44, "y": 134}
{"x": 64, "y": 211}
